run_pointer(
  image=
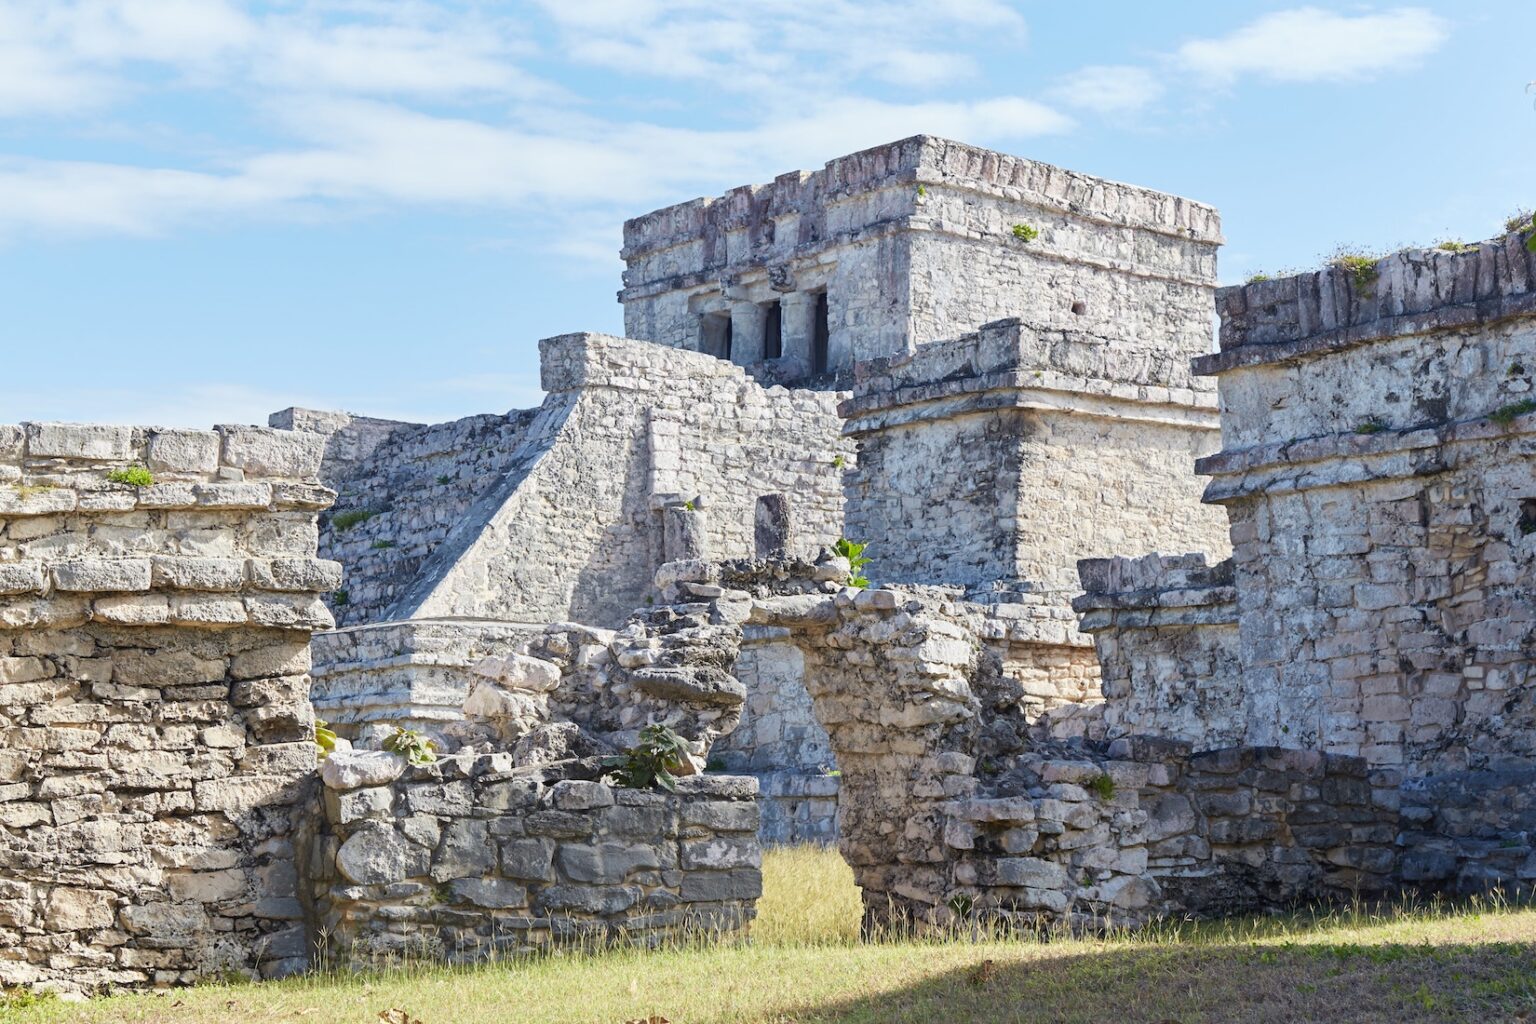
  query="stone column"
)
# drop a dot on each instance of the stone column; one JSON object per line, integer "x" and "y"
{"x": 799, "y": 325}
{"x": 748, "y": 322}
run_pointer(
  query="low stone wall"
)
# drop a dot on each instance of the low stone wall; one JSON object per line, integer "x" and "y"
{"x": 798, "y": 808}
{"x": 471, "y": 858}
{"x": 156, "y": 738}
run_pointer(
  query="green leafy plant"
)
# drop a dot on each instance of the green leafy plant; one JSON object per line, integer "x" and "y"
{"x": 350, "y": 518}
{"x": 1504, "y": 415}
{"x": 1370, "y": 426}
{"x": 1256, "y": 278}
{"x": 341, "y": 598}
{"x": 382, "y": 545}
{"x": 839, "y": 461}
{"x": 689, "y": 506}
{"x": 658, "y": 754}
{"x": 135, "y": 475}
{"x": 1102, "y": 787}
{"x": 1454, "y": 245}
{"x": 857, "y": 560}
{"x": 922, "y": 190}
{"x": 1519, "y": 220}
{"x": 1361, "y": 269}
{"x": 325, "y": 739}
{"x": 411, "y": 745}
{"x": 444, "y": 480}
{"x": 1025, "y": 232}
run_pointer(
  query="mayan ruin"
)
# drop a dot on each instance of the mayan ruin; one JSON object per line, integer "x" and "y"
{"x": 1153, "y": 631}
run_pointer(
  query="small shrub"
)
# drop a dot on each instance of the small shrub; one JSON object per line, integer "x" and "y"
{"x": 341, "y": 598}
{"x": 839, "y": 461}
{"x": 444, "y": 480}
{"x": 1520, "y": 220}
{"x": 1370, "y": 426}
{"x": 1025, "y": 232}
{"x": 325, "y": 740}
{"x": 1256, "y": 278}
{"x": 1504, "y": 415}
{"x": 350, "y": 518}
{"x": 382, "y": 545}
{"x": 651, "y": 762}
{"x": 411, "y": 745}
{"x": 1360, "y": 268}
{"x": 136, "y": 476}
{"x": 1454, "y": 245}
{"x": 1102, "y": 787}
{"x": 921, "y": 191}
{"x": 689, "y": 506}
{"x": 857, "y": 559}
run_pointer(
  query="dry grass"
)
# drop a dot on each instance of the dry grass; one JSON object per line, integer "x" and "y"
{"x": 1472, "y": 962}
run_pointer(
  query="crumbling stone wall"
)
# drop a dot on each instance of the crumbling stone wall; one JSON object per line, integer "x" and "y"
{"x": 557, "y": 514}
{"x": 472, "y": 858}
{"x": 1377, "y": 472}
{"x": 156, "y": 728}
{"x": 915, "y": 241}
{"x": 954, "y": 805}
{"x": 402, "y": 488}
{"x": 1165, "y": 632}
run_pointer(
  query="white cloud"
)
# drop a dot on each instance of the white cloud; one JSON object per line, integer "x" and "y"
{"x": 781, "y": 47}
{"x": 1108, "y": 89}
{"x": 1309, "y": 44}
{"x": 364, "y": 152}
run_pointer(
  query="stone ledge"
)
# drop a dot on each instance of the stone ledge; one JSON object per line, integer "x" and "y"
{"x": 1415, "y": 292}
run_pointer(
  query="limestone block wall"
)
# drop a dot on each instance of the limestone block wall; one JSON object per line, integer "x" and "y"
{"x": 1380, "y": 519}
{"x": 953, "y": 807}
{"x": 1165, "y": 633}
{"x": 402, "y": 488}
{"x": 471, "y": 858}
{"x": 557, "y": 515}
{"x": 913, "y": 242}
{"x": 156, "y": 736}
{"x": 1008, "y": 454}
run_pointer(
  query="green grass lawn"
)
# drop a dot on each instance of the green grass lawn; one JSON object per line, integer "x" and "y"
{"x": 1470, "y": 962}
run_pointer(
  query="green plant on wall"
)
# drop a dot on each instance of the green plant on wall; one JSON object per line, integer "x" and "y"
{"x": 411, "y": 745}
{"x": 350, "y": 518}
{"x": 1026, "y": 232}
{"x": 1361, "y": 269}
{"x": 134, "y": 475}
{"x": 857, "y": 560}
{"x": 654, "y": 761}
{"x": 325, "y": 739}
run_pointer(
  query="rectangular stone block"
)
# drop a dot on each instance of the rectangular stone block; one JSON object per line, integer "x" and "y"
{"x": 183, "y": 451}
{"x": 261, "y": 451}
{"x": 79, "y": 441}
{"x": 102, "y": 574}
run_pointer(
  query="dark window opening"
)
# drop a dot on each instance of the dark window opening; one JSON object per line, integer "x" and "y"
{"x": 1527, "y": 516}
{"x": 715, "y": 334}
{"x": 773, "y": 331}
{"x": 821, "y": 336}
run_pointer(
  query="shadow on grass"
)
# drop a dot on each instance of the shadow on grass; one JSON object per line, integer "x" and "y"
{"x": 1263, "y": 982}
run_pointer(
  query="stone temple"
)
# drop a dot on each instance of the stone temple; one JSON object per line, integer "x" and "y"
{"x": 1155, "y": 623}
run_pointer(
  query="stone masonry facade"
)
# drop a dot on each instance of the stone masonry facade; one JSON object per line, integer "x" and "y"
{"x": 1054, "y": 701}
{"x": 158, "y": 746}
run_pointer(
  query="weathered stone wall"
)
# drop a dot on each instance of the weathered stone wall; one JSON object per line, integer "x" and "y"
{"x": 473, "y": 858}
{"x": 1378, "y": 474}
{"x": 559, "y": 514}
{"x": 1006, "y": 455}
{"x": 401, "y": 490}
{"x": 954, "y": 805}
{"x": 1165, "y": 632}
{"x": 156, "y": 728}
{"x": 915, "y": 241}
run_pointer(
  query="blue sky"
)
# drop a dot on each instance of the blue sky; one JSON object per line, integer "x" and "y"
{"x": 211, "y": 209}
